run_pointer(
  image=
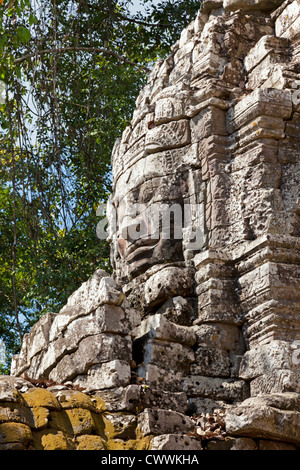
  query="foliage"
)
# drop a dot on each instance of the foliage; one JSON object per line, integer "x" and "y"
{"x": 72, "y": 70}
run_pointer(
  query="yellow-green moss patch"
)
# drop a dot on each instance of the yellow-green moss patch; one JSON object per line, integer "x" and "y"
{"x": 15, "y": 432}
{"x": 119, "y": 425}
{"x": 99, "y": 404}
{"x": 35, "y": 418}
{"x": 81, "y": 421}
{"x": 74, "y": 399}
{"x": 50, "y": 439}
{"x": 90, "y": 443}
{"x": 59, "y": 420}
{"x": 118, "y": 444}
{"x": 131, "y": 444}
{"x": 98, "y": 425}
{"x": 37, "y": 397}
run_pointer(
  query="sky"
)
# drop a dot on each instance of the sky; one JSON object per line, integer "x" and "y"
{"x": 137, "y": 5}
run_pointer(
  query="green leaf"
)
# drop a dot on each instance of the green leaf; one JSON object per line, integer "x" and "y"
{"x": 23, "y": 34}
{"x": 33, "y": 19}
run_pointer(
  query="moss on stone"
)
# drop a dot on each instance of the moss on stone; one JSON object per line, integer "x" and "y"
{"x": 81, "y": 421}
{"x": 37, "y": 397}
{"x": 88, "y": 442}
{"x": 98, "y": 425}
{"x": 119, "y": 425}
{"x": 131, "y": 444}
{"x": 36, "y": 418}
{"x": 50, "y": 439}
{"x": 74, "y": 399}
{"x": 12, "y": 446}
{"x": 59, "y": 421}
{"x": 40, "y": 417}
{"x": 118, "y": 444}
{"x": 13, "y": 412}
{"x": 99, "y": 404}
{"x": 15, "y": 432}
{"x": 144, "y": 443}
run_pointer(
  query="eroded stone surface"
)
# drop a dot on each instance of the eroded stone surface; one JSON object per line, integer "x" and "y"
{"x": 203, "y": 309}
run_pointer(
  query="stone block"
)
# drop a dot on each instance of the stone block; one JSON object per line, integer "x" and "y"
{"x": 106, "y": 319}
{"x": 180, "y": 71}
{"x": 157, "y": 421}
{"x": 263, "y": 47}
{"x": 210, "y": 121}
{"x": 99, "y": 289}
{"x": 81, "y": 421}
{"x": 110, "y": 374}
{"x": 264, "y": 422}
{"x": 206, "y": 64}
{"x": 220, "y": 336}
{"x": 230, "y": 390}
{"x": 277, "y": 381}
{"x": 11, "y": 387}
{"x": 267, "y": 359}
{"x": 261, "y": 102}
{"x": 211, "y": 362}
{"x": 159, "y": 353}
{"x": 162, "y": 378}
{"x": 37, "y": 397}
{"x": 175, "y": 442}
{"x": 12, "y": 446}
{"x": 50, "y": 439}
{"x": 169, "y": 282}
{"x": 287, "y": 24}
{"x": 109, "y": 319}
{"x": 37, "y": 339}
{"x": 200, "y": 405}
{"x": 283, "y": 401}
{"x": 88, "y": 442}
{"x": 35, "y": 418}
{"x": 270, "y": 71}
{"x": 178, "y": 310}
{"x": 59, "y": 421}
{"x": 209, "y": 5}
{"x": 169, "y": 109}
{"x": 15, "y": 433}
{"x": 159, "y": 327}
{"x": 119, "y": 425}
{"x": 91, "y": 351}
{"x": 135, "y": 398}
{"x": 231, "y": 443}
{"x": 70, "y": 399}
{"x": 273, "y": 445}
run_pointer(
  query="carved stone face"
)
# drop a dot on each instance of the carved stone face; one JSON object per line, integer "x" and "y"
{"x": 148, "y": 203}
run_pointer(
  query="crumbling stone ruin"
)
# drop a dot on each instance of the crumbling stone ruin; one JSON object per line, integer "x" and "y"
{"x": 194, "y": 342}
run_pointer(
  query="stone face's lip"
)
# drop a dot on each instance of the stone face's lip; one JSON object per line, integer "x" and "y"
{"x": 138, "y": 250}
{"x": 141, "y": 243}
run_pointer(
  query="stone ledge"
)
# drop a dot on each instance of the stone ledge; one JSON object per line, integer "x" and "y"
{"x": 264, "y": 422}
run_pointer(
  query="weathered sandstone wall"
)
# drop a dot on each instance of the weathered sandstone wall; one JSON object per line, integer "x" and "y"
{"x": 206, "y": 327}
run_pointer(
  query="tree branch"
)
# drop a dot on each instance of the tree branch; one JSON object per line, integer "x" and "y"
{"x": 144, "y": 23}
{"x": 116, "y": 15}
{"x": 79, "y": 49}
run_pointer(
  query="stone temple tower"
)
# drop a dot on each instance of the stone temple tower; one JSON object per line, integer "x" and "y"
{"x": 204, "y": 303}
